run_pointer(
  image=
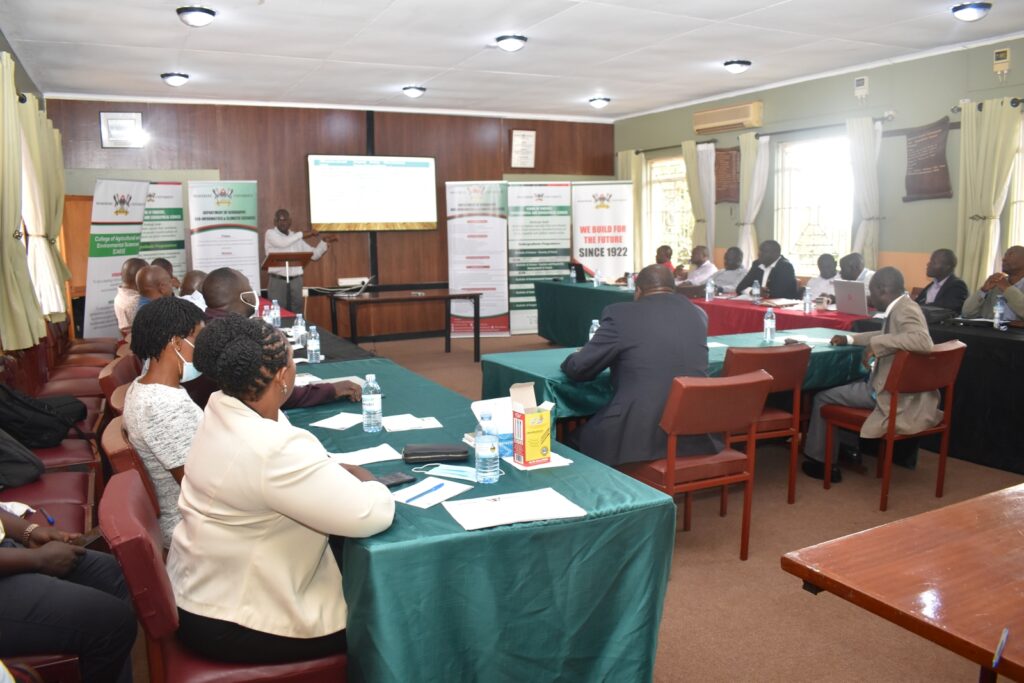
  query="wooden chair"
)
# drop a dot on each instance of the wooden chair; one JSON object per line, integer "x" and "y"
{"x": 910, "y": 373}
{"x": 122, "y": 370}
{"x": 133, "y": 533}
{"x": 124, "y": 458}
{"x": 788, "y": 366}
{"x": 701, "y": 405}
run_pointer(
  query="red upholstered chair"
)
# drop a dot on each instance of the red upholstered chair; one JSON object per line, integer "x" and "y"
{"x": 121, "y": 370}
{"x": 700, "y": 405}
{"x": 124, "y": 458}
{"x": 132, "y": 530}
{"x": 50, "y": 668}
{"x": 67, "y": 497}
{"x": 116, "y": 401}
{"x": 787, "y": 365}
{"x": 910, "y": 373}
{"x": 74, "y": 454}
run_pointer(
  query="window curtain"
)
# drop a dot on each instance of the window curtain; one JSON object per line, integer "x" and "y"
{"x": 1015, "y": 232}
{"x": 36, "y": 208}
{"x": 700, "y": 180}
{"x": 631, "y": 165}
{"x": 21, "y": 321}
{"x": 865, "y": 138}
{"x": 753, "y": 183}
{"x": 55, "y": 194}
{"x": 988, "y": 144}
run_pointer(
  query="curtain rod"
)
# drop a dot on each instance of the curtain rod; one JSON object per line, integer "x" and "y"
{"x": 889, "y": 116}
{"x": 1014, "y": 102}
{"x": 662, "y": 149}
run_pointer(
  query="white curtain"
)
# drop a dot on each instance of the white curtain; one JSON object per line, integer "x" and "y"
{"x": 989, "y": 142}
{"x": 632, "y": 165}
{"x": 1015, "y": 230}
{"x": 865, "y": 138}
{"x": 706, "y": 164}
{"x": 693, "y": 185}
{"x": 753, "y": 182}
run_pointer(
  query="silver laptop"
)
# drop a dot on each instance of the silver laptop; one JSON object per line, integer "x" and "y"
{"x": 851, "y": 297}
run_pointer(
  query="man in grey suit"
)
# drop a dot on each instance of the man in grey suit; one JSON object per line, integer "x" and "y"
{"x": 646, "y": 343}
{"x": 905, "y": 329}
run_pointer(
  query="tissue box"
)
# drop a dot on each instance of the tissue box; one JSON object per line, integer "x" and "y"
{"x": 531, "y": 426}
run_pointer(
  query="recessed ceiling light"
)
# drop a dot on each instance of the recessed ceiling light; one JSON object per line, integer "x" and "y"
{"x": 414, "y": 91}
{"x": 599, "y": 102}
{"x": 174, "y": 78}
{"x": 971, "y": 11}
{"x": 737, "y": 66}
{"x": 196, "y": 16}
{"x": 511, "y": 42}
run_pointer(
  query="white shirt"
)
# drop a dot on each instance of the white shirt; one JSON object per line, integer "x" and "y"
{"x": 727, "y": 280}
{"x": 274, "y": 242}
{"x": 195, "y": 297}
{"x": 126, "y": 305}
{"x": 865, "y": 277}
{"x": 767, "y": 271}
{"x": 933, "y": 290}
{"x": 820, "y": 286}
{"x": 888, "y": 310}
{"x": 699, "y": 275}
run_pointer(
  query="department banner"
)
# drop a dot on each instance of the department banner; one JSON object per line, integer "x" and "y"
{"x": 163, "y": 226}
{"x": 602, "y": 228}
{"x": 478, "y": 255}
{"x": 224, "y": 228}
{"x": 539, "y": 224}
{"x": 117, "y": 213}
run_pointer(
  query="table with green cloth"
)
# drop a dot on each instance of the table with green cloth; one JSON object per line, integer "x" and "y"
{"x": 829, "y": 366}
{"x": 574, "y": 600}
{"x": 566, "y": 309}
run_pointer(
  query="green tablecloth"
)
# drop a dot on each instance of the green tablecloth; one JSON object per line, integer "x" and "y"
{"x": 572, "y": 600}
{"x": 566, "y": 309}
{"x": 830, "y": 366}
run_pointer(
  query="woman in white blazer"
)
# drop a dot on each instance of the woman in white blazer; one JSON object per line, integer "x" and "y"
{"x": 253, "y": 576}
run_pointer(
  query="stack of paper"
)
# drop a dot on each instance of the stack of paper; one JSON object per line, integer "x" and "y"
{"x": 556, "y": 461}
{"x": 304, "y": 378}
{"x": 339, "y": 421}
{"x": 408, "y": 421}
{"x": 365, "y": 456}
{"x": 528, "y": 506}
{"x": 429, "y": 492}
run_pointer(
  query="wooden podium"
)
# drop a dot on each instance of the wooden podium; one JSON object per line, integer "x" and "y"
{"x": 286, "y": 259}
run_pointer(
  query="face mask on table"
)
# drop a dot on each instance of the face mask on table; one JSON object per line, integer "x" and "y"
{"x": 448, "y": 471}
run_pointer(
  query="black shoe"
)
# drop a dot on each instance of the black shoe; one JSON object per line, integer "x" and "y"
{"x": 816, "y": 470}
{"x": 849, "y": 454}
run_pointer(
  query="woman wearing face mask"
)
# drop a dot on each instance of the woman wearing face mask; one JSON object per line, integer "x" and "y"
{"x": 253, "y": 576}
{"x": 159, "y": 416}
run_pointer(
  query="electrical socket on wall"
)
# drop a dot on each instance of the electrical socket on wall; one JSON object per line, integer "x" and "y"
{"x": 305, "y": 292}
{"x": 860, "y": 87}
{"x": 1001, "y": 62}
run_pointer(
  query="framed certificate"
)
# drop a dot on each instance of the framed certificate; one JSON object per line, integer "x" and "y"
{"x": 122, "y": 129}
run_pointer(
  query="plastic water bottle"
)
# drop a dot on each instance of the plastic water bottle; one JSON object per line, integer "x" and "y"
{"x": 755, "y": 292}
{"x": 769, "y": 325}
{"x": 630, "y": 282}
{"x": 300, "y": 329}
{"x": 594, "y": 326}
{"x": 275, "y": 313}
{"x": 313, "y": 345}
{"x": 597, "y": 278}
{"x": 998, "y": 311}
{"x": 709, "y": 290}
{"x": 373, "y": 405}
{"x": 808, "y": 302}
{"x": 268, "y": 314}
{"x": 486, "y": 448}
{"x": 572, "y": 274}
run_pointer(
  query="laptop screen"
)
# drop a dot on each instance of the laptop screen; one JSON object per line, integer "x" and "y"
{"x": 851, "y": 297}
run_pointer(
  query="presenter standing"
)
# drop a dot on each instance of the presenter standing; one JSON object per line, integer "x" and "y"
{"x": 279, "y": 239}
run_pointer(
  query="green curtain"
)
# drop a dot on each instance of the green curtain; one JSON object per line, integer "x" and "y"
{"x": 21, "y": 320}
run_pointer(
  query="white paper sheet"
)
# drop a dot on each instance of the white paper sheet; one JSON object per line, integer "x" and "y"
{"x": 365, "y": 456}
{"x": 339, "y": 421}
{"x": 407, "y": 421}
{"x": 528, "y": 506}
{"x": 556, "y": 461}
{"x": 500, "y": 410}
{"x": 16, "y": 509}
{"x": 304, "y": 378}
{"x": 430, "y": 492}
{"x": 716, "y": 345}
{"x": 810, "y": 340}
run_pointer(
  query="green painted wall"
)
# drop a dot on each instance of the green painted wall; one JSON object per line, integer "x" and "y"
{"x": 919, "y": 91}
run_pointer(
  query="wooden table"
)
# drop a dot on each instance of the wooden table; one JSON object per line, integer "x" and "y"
{"x": 954, "y": 576}
{"x": 374, "y": 298}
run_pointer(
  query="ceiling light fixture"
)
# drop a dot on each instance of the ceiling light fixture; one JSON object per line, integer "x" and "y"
{"x": 971, "y": 11}
{"x": 174, "y": 78}
{"x": 511, "y": 42}
{"x": 414, "y": 91}
{"x": 196, "y": 16}
{"x": 599, "y": 102}
{"x": 737, "y": 66}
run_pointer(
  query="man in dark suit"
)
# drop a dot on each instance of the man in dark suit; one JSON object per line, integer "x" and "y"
{"x": 773, "y": 271}
{"x": 946, "y": 289}
{"x": 646, "y": 343}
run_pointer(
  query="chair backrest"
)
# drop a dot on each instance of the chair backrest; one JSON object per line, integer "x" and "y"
{"x": 133, "y": 533}
{"x": 702, "y": 405}
{"x": 124, "y": 458}
{"x": 119, "y": 371}
{"x": 917, "y": 372}
{"x": 786, "y": 364}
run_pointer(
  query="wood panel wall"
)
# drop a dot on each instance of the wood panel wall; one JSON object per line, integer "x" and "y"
{"x": 270, "y": 144}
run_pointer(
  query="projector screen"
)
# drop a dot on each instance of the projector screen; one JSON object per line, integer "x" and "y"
{"x": 356, "y": 193}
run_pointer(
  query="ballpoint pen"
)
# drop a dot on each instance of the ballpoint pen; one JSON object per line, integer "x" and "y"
{"x": 49, "y": 520}
{"x": 1000, "y": 647}
{"x": 423, "y": 493}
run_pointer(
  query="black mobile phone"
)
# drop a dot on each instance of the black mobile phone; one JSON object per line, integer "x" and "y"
{"x": 395, "y": 478}
{"x": 88, "y": 538}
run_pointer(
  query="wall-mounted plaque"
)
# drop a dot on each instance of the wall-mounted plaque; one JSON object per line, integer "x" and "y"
{"x": 122, "y": 129}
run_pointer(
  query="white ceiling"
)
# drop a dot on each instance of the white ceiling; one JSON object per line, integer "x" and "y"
{"x": 643, "y": 54}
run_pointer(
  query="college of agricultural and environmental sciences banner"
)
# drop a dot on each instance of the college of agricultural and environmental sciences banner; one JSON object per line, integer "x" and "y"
{"x": 222, "y": 221}
{"x": 539, "y": 223}
{"x": 602, "y": 228}
{"x": 478, "y": 255}
{"x": 117, "y": 211}
{"x": 163, "y": 226}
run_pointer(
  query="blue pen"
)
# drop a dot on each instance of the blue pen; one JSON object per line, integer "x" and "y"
{"x": 49, "y": 520}
{"x": 423, "y": 493}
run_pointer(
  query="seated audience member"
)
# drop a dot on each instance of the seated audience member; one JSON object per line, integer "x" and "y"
{"x": 851, "y": 269}
{"x": 773, "y": 271}
{"x": 126, "y": 301}
{"x": 1009, "y": 284}
{"x": 821, "y": 285}
{"x": 159, "y": 416}
{"x": 192, "y": 288}
{"x": 60, "y": 598}
{"x": 153, "y": 282}
{"x": 701, "y": 271}
{"x": 726, "y": 279}
{"x": 904, "y": 329}
{"x": 664, "y": 257}
{"x": 253, "y": 576}
{"x": 228, "y": 293}
{"x": 646, "y": 343}
{"x": 166, "y": 265}
{"x": 946, "y": 290}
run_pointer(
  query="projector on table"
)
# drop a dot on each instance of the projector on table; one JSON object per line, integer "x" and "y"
{"x": 352, "y": 286}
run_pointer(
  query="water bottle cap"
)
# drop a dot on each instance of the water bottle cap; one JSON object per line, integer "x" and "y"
{"x": 274, "y": 301}
{"x": 312, "y": 328}
{"x": 485, "y": 417}
{"x": 371, "y": 377}
{"x": 594, "y": 321}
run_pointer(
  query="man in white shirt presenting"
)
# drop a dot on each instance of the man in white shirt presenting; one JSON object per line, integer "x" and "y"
{"x": 702, "y": 268}
{"x": 279, "y": 239}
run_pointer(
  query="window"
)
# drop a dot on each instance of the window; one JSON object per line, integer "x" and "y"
{"x": 669, "y": 218}
{"x": 813, "y": 201}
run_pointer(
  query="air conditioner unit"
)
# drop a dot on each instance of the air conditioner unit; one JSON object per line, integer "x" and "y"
{"x": 735, "y": 117}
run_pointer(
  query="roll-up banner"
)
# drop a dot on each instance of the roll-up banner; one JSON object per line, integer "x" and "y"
{"x": 602, "y": 228}
{"x": 163, "y": 226}
{"x": 539, "y": 224}
{"x": 118, "y": 207}
{"x": 478, "y": 255}
{"x": 223, "y": 225}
